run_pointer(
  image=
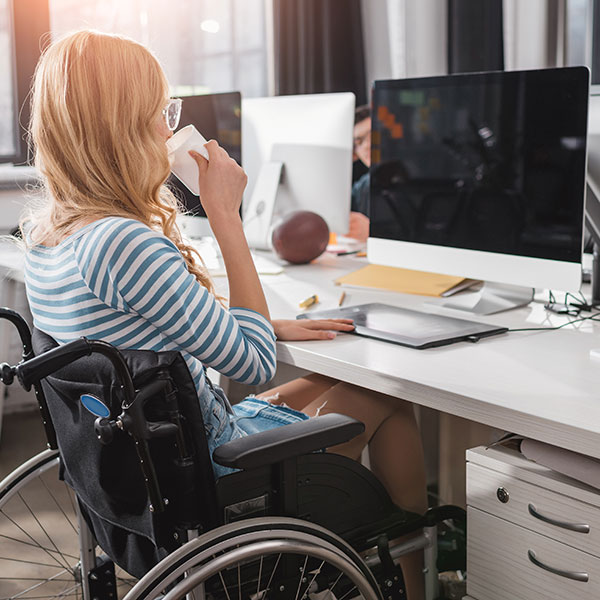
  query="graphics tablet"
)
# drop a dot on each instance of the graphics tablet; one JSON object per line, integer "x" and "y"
{"x": 407, "y": 327}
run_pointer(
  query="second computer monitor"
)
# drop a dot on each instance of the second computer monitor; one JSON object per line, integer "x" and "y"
{"x": 306, "y": 142}
{"x": 215, "y": 116}
{"x": 482, "y": 175}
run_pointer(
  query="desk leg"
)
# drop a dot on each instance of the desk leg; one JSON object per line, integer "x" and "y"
{"x": 456, "y": 436}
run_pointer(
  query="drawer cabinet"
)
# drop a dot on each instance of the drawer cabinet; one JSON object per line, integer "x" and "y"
{"x": 532, "y": 534}
{"x": 508, "y": 562}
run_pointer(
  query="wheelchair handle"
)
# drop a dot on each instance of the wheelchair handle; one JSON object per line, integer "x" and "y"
{"x": 45, "y": 364}
{"x": 24, "y": 332}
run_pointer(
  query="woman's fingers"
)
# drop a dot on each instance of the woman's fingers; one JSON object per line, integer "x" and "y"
{"x": 200, "y": 160}
{"x": 305, "y": 333}
{"x": 335, "y": 324}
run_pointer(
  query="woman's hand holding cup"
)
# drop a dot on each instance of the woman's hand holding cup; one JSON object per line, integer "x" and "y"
{"x": 221, "y": 182}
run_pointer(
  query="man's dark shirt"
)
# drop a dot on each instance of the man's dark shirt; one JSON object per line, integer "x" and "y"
{"x": 360, "y": 195}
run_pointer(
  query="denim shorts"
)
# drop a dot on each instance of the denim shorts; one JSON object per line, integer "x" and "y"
{"x": 251, "y": 415}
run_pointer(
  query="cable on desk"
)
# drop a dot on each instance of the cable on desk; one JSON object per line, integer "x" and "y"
{"x": 594, "y": 317}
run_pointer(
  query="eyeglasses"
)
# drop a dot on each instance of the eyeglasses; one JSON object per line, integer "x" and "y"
{"x": 359, "y": 140}
{"x": 172, "y": 112}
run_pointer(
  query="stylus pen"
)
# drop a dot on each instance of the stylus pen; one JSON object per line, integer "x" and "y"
{"x": 309, "y": 301}
{"x": 346, "y": 252}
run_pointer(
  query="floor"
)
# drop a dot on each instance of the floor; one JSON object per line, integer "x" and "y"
{"x": 22, "y": 437}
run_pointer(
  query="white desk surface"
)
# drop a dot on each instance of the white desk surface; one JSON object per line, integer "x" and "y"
{"x": 541, "y": 384}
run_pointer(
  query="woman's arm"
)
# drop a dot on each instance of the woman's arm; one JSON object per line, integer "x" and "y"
{"x": 222, "y": 182}
{"x": 138, "y": 271}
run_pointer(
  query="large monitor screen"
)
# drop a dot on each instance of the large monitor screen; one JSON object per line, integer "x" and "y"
{"x": 215, "y": 116}
{"x": 488, "y": 161}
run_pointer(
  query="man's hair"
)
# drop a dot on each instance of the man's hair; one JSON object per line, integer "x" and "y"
{"x": 361, "y": 113}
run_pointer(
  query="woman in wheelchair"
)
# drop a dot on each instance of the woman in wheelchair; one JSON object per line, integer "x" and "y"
{"x": 106, "y": 260}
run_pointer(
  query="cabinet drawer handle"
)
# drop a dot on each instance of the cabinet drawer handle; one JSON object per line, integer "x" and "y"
{"x": 568, "y": 574}
{"x": 578, "y": 527}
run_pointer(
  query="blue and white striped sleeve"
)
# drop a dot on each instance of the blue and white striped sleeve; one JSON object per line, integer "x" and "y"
{"x": 137, "y": 270}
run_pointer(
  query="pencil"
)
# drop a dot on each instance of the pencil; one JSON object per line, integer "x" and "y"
{"x": 342, "y": 298}
{"x": 309, "y": 301}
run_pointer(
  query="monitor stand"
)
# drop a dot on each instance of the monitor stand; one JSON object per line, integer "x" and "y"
{"x": 492, "y": 298}
{"x": 258, "y": 214}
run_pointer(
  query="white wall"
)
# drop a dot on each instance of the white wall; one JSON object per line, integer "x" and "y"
{"x": 404, "y": 38}
{"x": 12, "y": 203}
{"x": 526, "y": 30}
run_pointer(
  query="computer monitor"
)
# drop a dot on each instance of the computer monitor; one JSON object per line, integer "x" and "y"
{"x": 215, "y": 116}
{"x": 297, "y": 152}
{"x": 483, "y": 176}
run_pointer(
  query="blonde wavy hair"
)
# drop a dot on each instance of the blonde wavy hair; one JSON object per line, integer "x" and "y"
{"x": 97, "y": 99}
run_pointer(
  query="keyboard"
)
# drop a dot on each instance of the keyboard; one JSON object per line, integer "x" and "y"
{"x": 211, "y": 254}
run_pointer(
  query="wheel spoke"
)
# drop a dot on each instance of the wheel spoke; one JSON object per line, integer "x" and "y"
{"x": 301, "y": 577}
{"x": 259, "y": 577}
{"x": 37, "y": 545}
{"x": 224, "y": 585}
{"x": 271, "y": 578}
{"x": 312, "y": 580}
{"x": 335, "y": 583}
{"x": 41, "y": 583}
{"x": 350, "y": 590}
{"x": 59, "y": 506}
{"x": 35, "y": 542}
{"x": 65, "y": 564}
{"x": 31, "y": 562}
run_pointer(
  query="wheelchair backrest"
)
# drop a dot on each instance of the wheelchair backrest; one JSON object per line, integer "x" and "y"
{"x": 107, "y": 478}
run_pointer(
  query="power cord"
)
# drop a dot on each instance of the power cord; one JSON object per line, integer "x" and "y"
{"x": 594, "y": 317}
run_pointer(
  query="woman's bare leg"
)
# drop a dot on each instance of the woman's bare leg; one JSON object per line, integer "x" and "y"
{"x": 395, "y": 452}
{"x": 300, "y": 392}
{"x": 395, "y": 449}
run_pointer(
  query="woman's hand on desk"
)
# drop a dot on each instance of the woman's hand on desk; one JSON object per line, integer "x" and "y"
{"x": 288, "y": 330}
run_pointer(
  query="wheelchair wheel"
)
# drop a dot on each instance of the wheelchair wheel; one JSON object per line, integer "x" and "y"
{"x": 256, "y": 559}
{"x": 40, "y": 536}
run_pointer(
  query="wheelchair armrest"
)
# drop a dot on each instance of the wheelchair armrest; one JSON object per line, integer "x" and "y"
{"x": 287, "y": 441}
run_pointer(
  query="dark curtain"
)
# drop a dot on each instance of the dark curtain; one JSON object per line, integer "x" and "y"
{"x": 319, "y": 47}
{"x": 596, "y": 43}
{"x": 475, "y": 36}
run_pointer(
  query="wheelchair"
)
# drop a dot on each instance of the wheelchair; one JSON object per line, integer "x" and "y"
{"x": 127, "y": 485}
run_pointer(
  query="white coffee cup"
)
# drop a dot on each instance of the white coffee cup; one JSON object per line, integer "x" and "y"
{"x": 183, "y": 166}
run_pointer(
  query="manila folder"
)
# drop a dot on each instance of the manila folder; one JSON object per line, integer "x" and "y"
{"x": 395, "y": 279}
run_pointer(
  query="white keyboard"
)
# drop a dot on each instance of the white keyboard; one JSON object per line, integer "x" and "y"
{"x": 210, "y": 253}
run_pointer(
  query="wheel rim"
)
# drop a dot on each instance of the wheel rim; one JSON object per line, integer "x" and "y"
{"x": 319, "y": 572}
{"x": 39, "y": 540}
{"x": 223, "y": 540}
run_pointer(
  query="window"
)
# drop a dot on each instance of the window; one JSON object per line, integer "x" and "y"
{"x": 204, "y": 46}
{"x": 582, "y": 31}
{"x": 8, "y": 137}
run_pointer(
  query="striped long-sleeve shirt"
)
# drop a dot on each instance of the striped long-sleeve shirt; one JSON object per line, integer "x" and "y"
{"x": 118, "y": 280}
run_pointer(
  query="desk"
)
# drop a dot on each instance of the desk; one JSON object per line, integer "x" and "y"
{"x": 539, "y": 384}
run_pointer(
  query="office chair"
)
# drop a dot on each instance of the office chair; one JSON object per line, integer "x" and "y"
{"x": 143, "y": 516}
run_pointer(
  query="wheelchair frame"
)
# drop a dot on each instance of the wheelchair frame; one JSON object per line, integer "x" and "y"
{"x": 283, "y": 456}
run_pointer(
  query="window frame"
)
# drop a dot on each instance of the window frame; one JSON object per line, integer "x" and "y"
{"x": 13, "y": 77}
{"x": 30, "y": 23}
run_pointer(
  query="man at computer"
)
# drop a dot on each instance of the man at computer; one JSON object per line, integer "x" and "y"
{"x": 359, "y": 215}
